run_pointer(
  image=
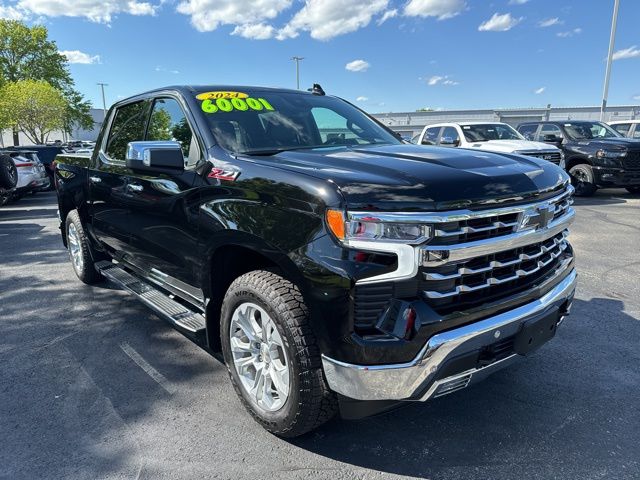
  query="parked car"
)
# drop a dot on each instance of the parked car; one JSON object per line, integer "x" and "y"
{"x": 330, "y": 262}
{"x": 488, "y": 136}
{"x": 627, "y": 128}
{"x": 32, "y": 177}
{"x": 596, "y": 156}
{"x": 46, "y": 155}
{"x": 8, "y": 178}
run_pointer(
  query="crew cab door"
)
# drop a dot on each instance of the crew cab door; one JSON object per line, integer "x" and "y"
{"x": 108, "y": 177}
{"x": 163, "y": 207}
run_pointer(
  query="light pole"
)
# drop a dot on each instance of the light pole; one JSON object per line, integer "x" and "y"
{"x": 104, "y": 102}
{"x": 612, "y": 41}
{"x": 297, "y": 60}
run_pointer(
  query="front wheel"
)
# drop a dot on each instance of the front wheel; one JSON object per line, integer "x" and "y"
{"x": 80, "y": 250}
{"x": 272, "y": 355}
{"x": 633, "y": 189}
{"x": 583, "y": 180}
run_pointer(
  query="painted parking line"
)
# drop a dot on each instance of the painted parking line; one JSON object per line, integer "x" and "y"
{"x": 149, "y": 370}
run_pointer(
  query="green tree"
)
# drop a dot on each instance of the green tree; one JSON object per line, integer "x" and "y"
{"x": 26, "y": 53}
{"x": 33, "y": 107}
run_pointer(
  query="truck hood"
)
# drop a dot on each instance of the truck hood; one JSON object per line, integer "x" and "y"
{"x": 512, "y": 146}
{"x": 418, "y": 178}
{"x": 613, "y": 143}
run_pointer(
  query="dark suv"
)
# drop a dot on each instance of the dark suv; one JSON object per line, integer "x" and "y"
{"x": 596, "y": 156}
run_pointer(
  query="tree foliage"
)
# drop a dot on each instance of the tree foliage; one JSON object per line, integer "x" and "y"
{"x": 34, "y": 107}
{"x": 26, "y": 53}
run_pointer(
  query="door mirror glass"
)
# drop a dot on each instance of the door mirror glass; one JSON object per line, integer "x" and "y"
{"x": 155, "y": 156}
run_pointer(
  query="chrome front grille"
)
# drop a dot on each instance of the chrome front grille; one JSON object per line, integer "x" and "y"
{"x": 553, "y": 157}
{"x": 499, "y": 269}
{"x": 493, "y": 224}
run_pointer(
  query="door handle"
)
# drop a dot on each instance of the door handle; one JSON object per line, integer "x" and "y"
{"x": 134, "y": 187}
{"x": 95, "y": 179}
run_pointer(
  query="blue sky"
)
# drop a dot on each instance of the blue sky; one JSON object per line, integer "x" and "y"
{"x": 403, "y": 55}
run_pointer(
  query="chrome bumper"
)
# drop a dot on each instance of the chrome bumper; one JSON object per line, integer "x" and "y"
{"x": 415, "y": 380}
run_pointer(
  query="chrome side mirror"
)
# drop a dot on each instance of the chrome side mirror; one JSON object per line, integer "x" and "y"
{"x": 155, "y": 155}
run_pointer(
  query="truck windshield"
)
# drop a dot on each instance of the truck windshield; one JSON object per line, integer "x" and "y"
{"x": 589, "y": 130}
{"x": 490, "y": 131}
{"x": 265, "y": 122}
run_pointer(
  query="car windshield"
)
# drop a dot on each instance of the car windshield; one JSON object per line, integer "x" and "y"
{"x": 589, "y": 130}
{"x": 265, "y": 122}
{"x": 490, "y": 131}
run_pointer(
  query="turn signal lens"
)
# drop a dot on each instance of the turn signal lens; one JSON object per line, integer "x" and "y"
{"x": 335, "y": 221}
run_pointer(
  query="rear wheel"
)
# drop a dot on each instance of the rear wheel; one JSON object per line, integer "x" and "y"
{"x": 633, "y": 189}
{"x": 583, "y": 180}
{"x": 272, "y": 355}
{"x": 80, "y": 250}
{"x": 8, "y": 172}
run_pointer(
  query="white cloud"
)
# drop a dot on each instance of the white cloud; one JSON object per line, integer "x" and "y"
{"x": 540, "y": 90}
{"x": 441, "y": 80}
{"x": 441, "y": 9}
{"x": 325, "y": 19}
{"x": 569, "y": 33}
{"x": 549, "y": 22}
{"x": 76, "y": 56}
{"x": 12, "y": 13}
{"x": 357, "y": 66}
{"x": 255, "y": 31}
{"x": 499, "y": 23}
{"x": 362, "y": 99}
{"x": 631, "y": 52}
{"x": 94, "y": 10}
{"x": 636, "y": 97}
{"x": 518, "y": 2}
{"x": 207, "y": 15}
{"x": 387, "y": 15}
{"x": 162, "y": 69}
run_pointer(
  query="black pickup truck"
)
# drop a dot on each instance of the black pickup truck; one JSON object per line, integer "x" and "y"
{"x": 595, "y": 155}
{"x": 334, "y": 266}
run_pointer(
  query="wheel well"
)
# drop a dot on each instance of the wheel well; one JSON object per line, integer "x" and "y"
{"x": 572, "y": 162}
{"x": 227, "y": 264}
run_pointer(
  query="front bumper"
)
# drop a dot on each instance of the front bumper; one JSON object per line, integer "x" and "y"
{"x": 616, "y": 177}
{"x": 433, "y": 372}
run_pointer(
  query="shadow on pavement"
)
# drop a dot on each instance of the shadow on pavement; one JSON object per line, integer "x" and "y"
{"x": 606, "y": 197}
{"x": 554, "y": 412}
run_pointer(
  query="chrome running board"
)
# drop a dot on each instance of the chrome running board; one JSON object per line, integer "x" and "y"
{"x": 161, "y": 303}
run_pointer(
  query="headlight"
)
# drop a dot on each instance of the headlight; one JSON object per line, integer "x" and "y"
{"x": 611, "y": 153}
{"x": 369, "y": 228}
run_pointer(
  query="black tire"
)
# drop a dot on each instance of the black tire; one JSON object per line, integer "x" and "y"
{"x": 8, "y": 172}
{"x": 583, "y": 180}
{"x": 309, "y": 403}
{"x": 634, "y": 189}
{"x": 85, "y": 270}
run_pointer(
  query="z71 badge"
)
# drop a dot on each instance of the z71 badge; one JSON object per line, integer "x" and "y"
{"x": 221, "y": 174}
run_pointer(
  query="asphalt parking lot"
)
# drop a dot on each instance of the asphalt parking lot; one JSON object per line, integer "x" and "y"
{"x": 93, "y": 385}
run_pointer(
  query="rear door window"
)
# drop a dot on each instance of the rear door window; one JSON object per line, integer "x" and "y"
{"x": 622, "y": 128}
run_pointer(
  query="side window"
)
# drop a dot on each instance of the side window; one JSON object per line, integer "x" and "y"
{"x": 622, "y": 128}
{"x": 449, "y": 137}
{"x": 549, "y": 129}
{"x": 168, "y": 122}
{"x": 431, "y": 136}
{"x": 636, "y": 133}
{"x": 528, "y": 131}
{"x": 127, "y": 126}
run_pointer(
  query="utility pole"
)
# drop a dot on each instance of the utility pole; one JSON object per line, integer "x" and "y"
{"x": 104, "y": 102}
{"x": 612, "y": 41}
{"x": 297, "y": 60}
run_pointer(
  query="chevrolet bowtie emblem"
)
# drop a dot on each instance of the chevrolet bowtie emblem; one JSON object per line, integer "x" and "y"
{"x": 538, "y": 217}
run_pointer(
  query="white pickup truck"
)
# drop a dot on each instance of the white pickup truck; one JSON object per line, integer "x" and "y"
{"x": 490, "y": 136}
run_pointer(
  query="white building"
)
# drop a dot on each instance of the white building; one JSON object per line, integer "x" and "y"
{"x": 412, "y": 123}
